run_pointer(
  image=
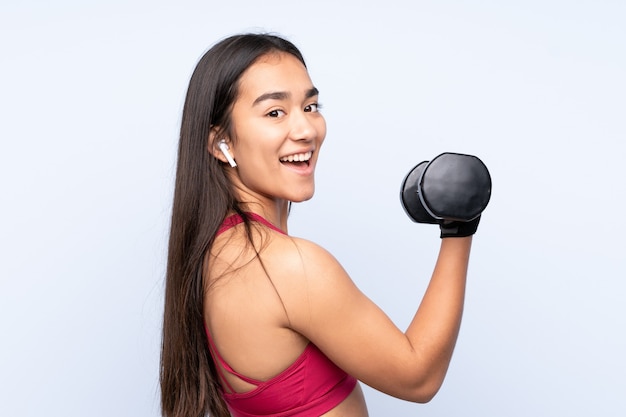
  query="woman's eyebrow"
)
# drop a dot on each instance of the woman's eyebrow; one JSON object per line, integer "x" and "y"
{"x": 275, "y": 95}
{"x": 282, "y": 95}
{"x": 312, "y": 92}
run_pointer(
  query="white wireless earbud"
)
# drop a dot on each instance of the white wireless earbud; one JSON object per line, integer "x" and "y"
{"x": 224, "y": 148}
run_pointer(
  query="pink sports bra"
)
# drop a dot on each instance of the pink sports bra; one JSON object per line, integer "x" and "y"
{"x": 309, "y": 387}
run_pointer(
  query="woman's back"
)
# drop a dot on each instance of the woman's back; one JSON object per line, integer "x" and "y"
{"x": 265, "y": 366}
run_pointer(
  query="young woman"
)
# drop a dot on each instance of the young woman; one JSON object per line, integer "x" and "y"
{"x": 258, "y": 322}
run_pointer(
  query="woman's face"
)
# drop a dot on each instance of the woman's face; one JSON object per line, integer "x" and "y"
{"x": 277, "y": 131}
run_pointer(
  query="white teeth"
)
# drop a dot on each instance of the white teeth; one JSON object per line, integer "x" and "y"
{"x": 299, "y": 157}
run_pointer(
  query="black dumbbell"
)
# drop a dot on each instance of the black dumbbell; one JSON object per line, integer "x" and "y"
{"x": 451, "y": 190}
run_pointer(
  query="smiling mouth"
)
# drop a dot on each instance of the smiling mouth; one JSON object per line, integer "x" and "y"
{"x": 299, "y": 159}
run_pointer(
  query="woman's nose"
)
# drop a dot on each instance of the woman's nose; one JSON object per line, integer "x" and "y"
{"x": 303, "y": 128}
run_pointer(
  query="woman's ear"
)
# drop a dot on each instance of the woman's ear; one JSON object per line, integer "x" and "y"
{"x": 218, "y": 146}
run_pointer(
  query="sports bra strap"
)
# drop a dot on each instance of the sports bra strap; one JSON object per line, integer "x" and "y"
{"x": 225, "y": 365}
{"x": 232, "y": 221}
{"x": 235, "y": 219}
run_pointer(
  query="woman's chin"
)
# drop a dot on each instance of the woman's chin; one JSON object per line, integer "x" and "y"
{"x": 305, "y": 195}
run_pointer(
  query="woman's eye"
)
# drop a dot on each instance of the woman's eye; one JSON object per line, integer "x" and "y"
{"x": 276, "y": 113}
{"x": 313, "y": 108}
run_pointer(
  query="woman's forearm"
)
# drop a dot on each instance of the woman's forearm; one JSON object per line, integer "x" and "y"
{"x": 435, "y": 327}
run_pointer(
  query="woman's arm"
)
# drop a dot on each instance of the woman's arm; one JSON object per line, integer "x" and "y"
{"x": 324, "y": 305}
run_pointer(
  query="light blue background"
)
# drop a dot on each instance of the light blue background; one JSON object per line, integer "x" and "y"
{"x": 90, "y": 101}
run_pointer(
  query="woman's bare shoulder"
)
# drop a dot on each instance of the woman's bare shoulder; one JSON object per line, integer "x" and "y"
{"x": 307, "y": 276}
{"x": 299, "y": 255}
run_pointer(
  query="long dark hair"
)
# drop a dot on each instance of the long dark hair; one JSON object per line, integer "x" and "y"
{"x": 203, "y": 196}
